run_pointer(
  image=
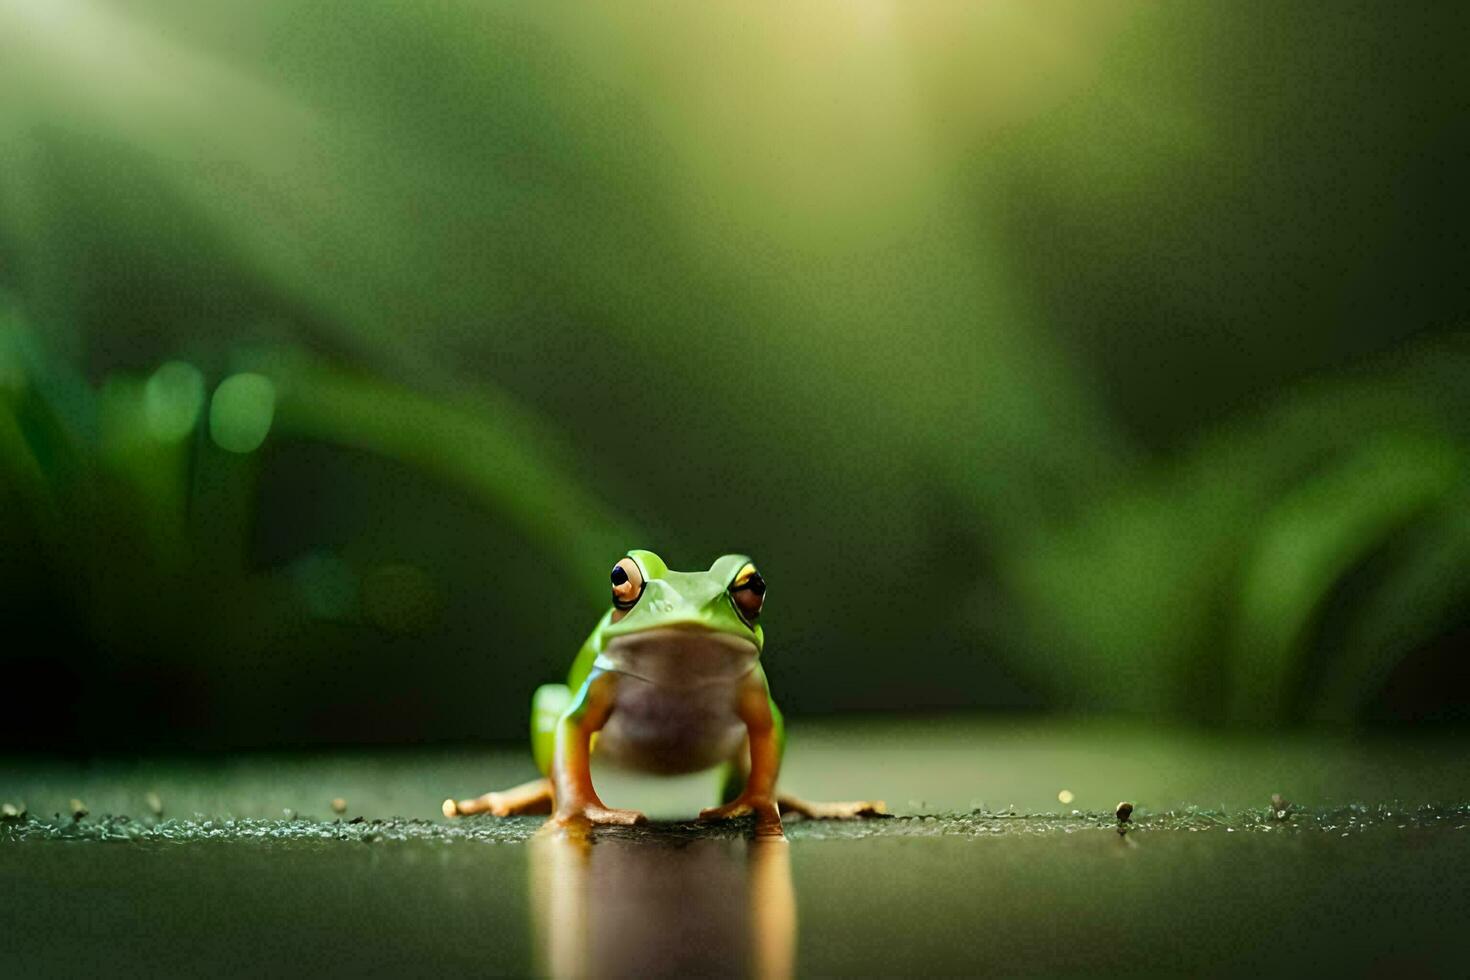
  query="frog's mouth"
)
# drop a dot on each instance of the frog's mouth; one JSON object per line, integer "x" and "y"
{"x": 680, "y": 655}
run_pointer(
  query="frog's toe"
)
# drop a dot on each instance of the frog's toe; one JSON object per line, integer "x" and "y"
{"x": 610, "y": 816}
{"x": 767, "y": 816}
{"x": 532, "y": 797}
{"x": 727, "y": 812}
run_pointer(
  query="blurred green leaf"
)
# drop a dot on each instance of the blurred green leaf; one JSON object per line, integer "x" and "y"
{"x": 1306, "y": 542}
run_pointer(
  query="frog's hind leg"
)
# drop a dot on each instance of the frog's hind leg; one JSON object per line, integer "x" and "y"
{"x": 527, "y": 798}
{"x": 847, "y": 810}
{"x": 547, "y": 706}
{"x": 733, "y": 775}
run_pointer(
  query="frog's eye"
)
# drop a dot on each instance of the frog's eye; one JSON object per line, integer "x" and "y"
{"x": 748, "y": 592}
{"x": 627, "y": 584}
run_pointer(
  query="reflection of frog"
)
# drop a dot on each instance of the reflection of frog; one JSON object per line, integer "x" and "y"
{"x": 669, "y": 682}
{"x": 685, "y": 907}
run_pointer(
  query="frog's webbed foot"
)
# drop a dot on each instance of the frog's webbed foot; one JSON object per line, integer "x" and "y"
{"x": 527, "y": 798}
{"x": 767, "y": 814}
{"x": 849, "y": 810}
{"x": 599, "y": 815}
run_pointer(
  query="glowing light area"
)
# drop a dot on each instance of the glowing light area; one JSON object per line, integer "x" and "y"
{"x": 1065, "y": 797}
{"x": 241, "y": 412}
{"x": 172, "y": 399}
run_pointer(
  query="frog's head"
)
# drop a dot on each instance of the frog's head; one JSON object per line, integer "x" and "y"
{"x": 646, "y": 595}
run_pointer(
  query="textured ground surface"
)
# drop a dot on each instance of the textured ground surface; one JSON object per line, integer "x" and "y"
{"x": 983, "y": 869}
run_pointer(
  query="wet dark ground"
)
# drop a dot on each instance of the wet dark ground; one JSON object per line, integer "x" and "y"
{"x": 983, "y": 870}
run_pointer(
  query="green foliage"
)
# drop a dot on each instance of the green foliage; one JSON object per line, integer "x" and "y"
{"x": 1205, "y": 585}
{"x": 1102, "y": 356}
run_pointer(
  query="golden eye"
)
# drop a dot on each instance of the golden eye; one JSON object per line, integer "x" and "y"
{"x": 627, "y": 584}
{"x": 748, "y": 592}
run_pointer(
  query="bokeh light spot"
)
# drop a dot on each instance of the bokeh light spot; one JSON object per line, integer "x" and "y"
{"x": 241, "y": 412}
{"x": 172, "y": 399}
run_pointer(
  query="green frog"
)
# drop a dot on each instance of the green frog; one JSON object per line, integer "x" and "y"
{"x": 669, "y": 682}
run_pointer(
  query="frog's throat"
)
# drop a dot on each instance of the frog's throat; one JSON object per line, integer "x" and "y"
{"x": 682, "y": 657}
{"x": 652, "y": 678}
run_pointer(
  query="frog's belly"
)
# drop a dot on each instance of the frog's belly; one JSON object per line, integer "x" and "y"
{"x": 668, "y": 730}
{"x": 674, "y": 706}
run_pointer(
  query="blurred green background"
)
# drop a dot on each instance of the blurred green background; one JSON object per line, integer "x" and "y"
{"x": 1068, "y": 356}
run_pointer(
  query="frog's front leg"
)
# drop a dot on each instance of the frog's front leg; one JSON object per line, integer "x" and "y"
{"x": 763, "y": 734}
{"x": 571, "y": 766}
